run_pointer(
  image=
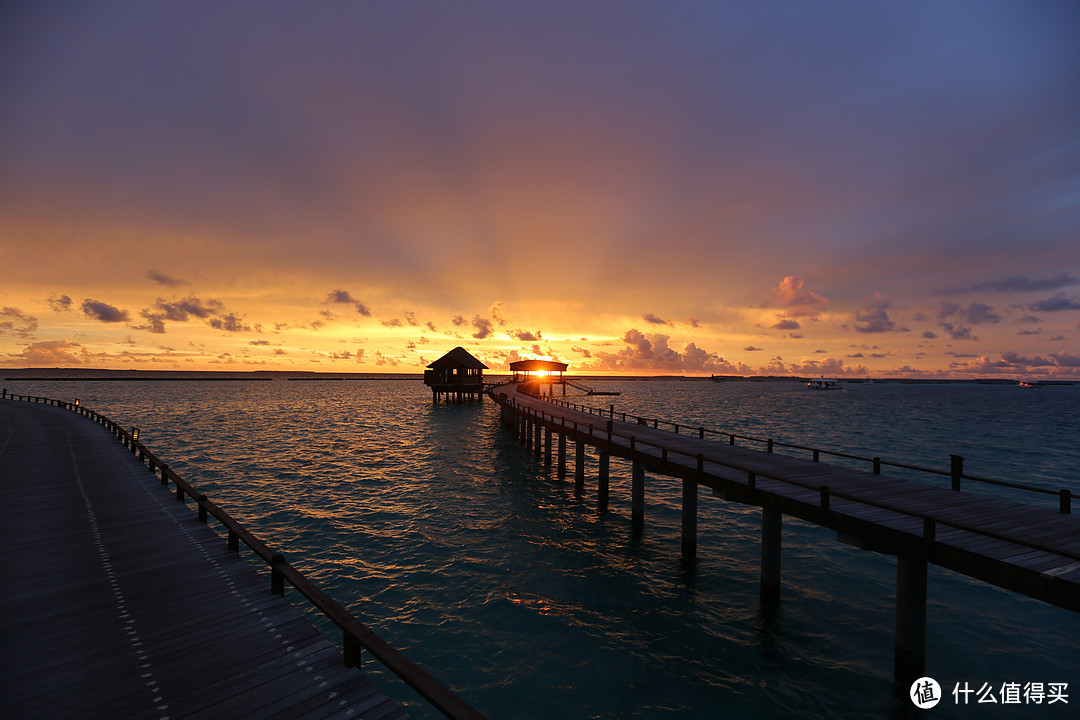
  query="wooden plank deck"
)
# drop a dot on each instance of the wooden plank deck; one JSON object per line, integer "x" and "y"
{"x": 117, "y": 602}
{"x": 1030, "y": 550}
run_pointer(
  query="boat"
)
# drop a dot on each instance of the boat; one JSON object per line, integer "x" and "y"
{"x": 824, "y": 383}
{"x": 1030, "y": 384}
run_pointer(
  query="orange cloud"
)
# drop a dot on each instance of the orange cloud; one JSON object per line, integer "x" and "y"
{"x": 52, "y": 352}
{"x": 795, "y": 301}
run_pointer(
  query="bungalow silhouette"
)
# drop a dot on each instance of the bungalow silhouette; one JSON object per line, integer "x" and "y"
{"x": 456, "y": 373}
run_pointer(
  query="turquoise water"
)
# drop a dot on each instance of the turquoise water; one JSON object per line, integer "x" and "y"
{"x": 438, "y": 529}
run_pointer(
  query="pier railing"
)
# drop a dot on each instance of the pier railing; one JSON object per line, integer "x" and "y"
{"x": 695, "y": 470}
{"x": 955, "y": 472}
{"x": 356, "y": 636}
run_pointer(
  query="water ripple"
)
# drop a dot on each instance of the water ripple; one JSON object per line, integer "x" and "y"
{"x": 437, "y": 528}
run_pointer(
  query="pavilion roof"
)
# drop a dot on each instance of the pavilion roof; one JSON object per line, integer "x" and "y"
{"x": 459, "y": 357}
{"x": 538, "y": 365}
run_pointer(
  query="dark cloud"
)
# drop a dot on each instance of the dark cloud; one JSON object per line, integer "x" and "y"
{"x": 1059, "y": 301}
{"x": 875, "y": 318}
{"x": 229, "y": 322}
{"x": 1064, "y": 359}
{"x": 787, "y": 324}
{"x": 16, "y": 322}
{"x": 104, "y": 312}
{"x": 60, "y": 303}
{"x": 641, "y": 345}
{"x": 525, "y": 335}
{"x": 188, "y": 307}
{"x": 1017, "y": 360}
{"x": 482, "y": 326}
{"x": 975, "y": 313}
{"x": 340, "y": 296}
{"x": 653, "y": 319}
{"x": 162, "y": 279}
{"x": 211, "y": 311}
{"x": 958, "y": 332}
{"x": 344, "y": 297}
{"x": 1021, "y": 284}
{"x": 385, "y": 360}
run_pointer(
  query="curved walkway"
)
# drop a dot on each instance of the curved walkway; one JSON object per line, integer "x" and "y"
{"x": 117, "y": 602}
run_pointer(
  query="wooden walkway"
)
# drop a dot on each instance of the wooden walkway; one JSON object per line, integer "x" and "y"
{"x": 117, "y": 602}
{"x": 1025, "y": 549}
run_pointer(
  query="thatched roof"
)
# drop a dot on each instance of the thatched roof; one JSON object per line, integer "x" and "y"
{"x": 459, "y": 357}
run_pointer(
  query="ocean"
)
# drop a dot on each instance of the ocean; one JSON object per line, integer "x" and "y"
{"x": 437, "y": 528}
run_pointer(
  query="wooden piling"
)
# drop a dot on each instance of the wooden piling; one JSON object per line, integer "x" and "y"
{"x": 771, "y": 532}
{"x": 603, "y": 481}
{"x": 579, "y": 466}
{"x": 562, "y": 455}
{"x": 910, "y": 657}
{"x": 689, "y": 510}
{"x": 849, "y": 501}
{"x": 637, "y": 491}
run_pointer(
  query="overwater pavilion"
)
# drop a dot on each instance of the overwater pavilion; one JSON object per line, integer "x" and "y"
{"x": 456, "y": 373}
{"x": 541, "y": 372}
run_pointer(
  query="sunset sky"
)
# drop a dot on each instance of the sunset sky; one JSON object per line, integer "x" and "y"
{"x": 683, "y": 187}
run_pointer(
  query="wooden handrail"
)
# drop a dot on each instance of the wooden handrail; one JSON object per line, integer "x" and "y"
{"x": 826, "y": 493}
{"x": 702, "y": 431}
{"x": 355, "y": 634}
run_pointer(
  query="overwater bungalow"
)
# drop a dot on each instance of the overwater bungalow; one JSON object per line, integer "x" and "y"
{"x": 456, "y": 373}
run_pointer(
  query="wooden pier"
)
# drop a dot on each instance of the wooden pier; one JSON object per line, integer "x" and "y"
{"x": 120, "y": 601}
{"x": 1029, "y": 550}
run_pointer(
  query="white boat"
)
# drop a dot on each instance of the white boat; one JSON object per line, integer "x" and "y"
{"x": 824, "y": 383}
{"x": 1030, "y": 384}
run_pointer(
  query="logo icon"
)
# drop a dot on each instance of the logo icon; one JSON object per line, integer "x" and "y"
{"x": 925, "y": 693}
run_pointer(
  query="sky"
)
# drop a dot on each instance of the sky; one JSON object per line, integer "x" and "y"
{"x": 877, "y": 189}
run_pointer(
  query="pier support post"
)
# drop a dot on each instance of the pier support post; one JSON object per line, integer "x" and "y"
{"x": 537, "y": 439}
{"x": 910, "y": 659}
{"x": 547, "y": 446}
{"x": 562, "y": 454}
{"x": 637, "y": 494}
{"x": 771, "y": 532}
{"x": 603, "y": 481}
{"x": 579, "y": 466}
{"x": 689, "y": 511}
